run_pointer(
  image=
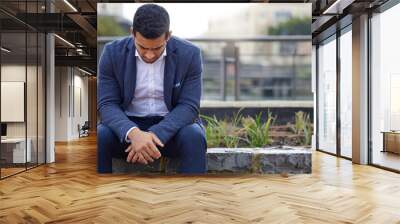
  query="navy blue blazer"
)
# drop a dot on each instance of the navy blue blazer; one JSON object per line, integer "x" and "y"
{"x": 182, "y": 86}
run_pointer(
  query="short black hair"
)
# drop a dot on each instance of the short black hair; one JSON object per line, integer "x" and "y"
{"x": 151, "y": 21}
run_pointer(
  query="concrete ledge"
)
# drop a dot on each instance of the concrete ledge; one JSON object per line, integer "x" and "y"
{"x": 274, "y": 160}
{"x": 257, "y": 104}
{"x": 162, "y": 165}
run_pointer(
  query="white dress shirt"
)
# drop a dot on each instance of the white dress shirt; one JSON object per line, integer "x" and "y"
{"x": 149, "y": 91}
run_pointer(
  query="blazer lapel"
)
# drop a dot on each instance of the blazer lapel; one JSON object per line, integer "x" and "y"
{"x": 169, "y": 74}
{"x": 130, "y": 73}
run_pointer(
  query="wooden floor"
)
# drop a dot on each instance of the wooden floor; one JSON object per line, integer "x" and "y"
{"x": 5, "y": 172}
{"x": 70, "y": 191}
{"x": 386, "y": 159}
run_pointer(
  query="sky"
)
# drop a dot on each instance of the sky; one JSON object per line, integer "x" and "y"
{"x": 190, "y": 19}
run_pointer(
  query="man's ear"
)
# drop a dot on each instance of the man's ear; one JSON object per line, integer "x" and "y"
{"x": 133, "y": 33}
{"x": 169, "y": 34}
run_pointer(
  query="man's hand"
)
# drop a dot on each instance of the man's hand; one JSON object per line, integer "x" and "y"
{"x": 143, "y": 148}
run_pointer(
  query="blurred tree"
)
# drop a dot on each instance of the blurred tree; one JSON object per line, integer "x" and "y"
{"x": 294, "y": 26}
{"x": 108, "y": 26}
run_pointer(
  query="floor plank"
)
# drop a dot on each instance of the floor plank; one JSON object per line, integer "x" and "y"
{"x": 70, "y": 191}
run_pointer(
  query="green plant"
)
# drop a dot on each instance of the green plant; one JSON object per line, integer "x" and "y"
{"x": 299, "y": 122}
{"x": 303, "y": 126}
{"x": 108, "y": 26}
{"x": 213, "y": 131}
{"x": 231, "y": 141}
{"x": 257, "y": 132}
{"x": 308, "y": 132}
{"x": 223, "y": 132}
{"x": 232, "y": 137}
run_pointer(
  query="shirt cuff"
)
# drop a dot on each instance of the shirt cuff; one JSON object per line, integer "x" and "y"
{"x": 126, "y": 136}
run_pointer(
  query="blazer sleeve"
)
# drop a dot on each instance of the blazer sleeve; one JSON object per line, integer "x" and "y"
{"x": 188, "y": 104}
{"x": 109, "y": 98}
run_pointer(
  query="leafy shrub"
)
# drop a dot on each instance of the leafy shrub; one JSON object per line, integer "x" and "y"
{"x": 303, "y": 126}
{"x": 257, "y": 132}
{"x": 223, "y": 133}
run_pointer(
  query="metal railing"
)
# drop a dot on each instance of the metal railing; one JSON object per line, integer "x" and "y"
{"x": 253, "y": 68}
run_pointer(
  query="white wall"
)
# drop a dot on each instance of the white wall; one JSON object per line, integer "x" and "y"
{"x": 17, "y": 73}
{"x": 70, "y": 83}
{"x": 14, "y": 73}
{"x": 61, "y": 103}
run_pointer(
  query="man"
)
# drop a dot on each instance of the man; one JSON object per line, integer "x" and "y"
{"x": 149, "y": 89}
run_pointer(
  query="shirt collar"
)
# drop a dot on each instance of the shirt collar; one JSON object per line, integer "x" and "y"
{"x": 164, "y": 54}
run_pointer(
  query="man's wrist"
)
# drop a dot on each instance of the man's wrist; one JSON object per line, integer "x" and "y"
{"x": 129, "y": 133}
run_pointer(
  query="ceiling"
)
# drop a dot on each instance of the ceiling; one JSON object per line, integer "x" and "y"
{"x": 76, "y": 20}
{"x": 330, "y": 15}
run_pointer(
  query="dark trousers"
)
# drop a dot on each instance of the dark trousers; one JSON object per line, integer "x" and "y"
{"x": 189, "y": 145}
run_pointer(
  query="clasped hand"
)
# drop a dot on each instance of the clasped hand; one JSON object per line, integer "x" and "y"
{"x": 143, "y": 147}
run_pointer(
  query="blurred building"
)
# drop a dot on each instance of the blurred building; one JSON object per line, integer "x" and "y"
{"x": 255, "y": 19}
{"x": 268, "y": 69}
{"x": 107, "y": 9}
{"x": 112, "y": 13}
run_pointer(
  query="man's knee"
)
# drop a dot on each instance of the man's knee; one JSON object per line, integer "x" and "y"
{"x": 192, "y": 145}
{"x": 192, "y": 135}
{"x": 104, "y": 135}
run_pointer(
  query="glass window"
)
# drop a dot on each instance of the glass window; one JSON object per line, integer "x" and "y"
{"x": 327, "y": 96}
{"x": 346, "y": 93}
{"x": 14, "y": 153}
{"x": 22, "y": 90}
{"x": 385, "y": 87}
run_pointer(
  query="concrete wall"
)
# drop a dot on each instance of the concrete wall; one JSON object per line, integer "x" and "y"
{"x": 71, "y": 102}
